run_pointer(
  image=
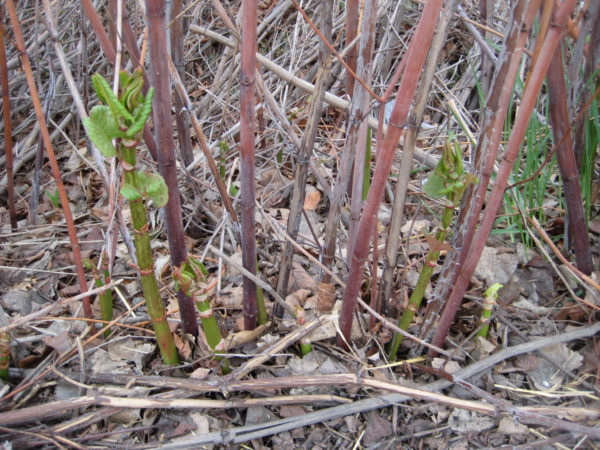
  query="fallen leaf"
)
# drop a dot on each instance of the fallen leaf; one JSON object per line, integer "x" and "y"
{"x": 297, "y": 298}
{"x": 377, "y": 429}
{"x": 61, "y": 342}
{"x": 302, "y": 279}
{"x": 312, "y": 200}
{"x": 435, "y": 245}
{"x": 200, "y": 373}
{"x": 183, "y": 346}
{"x": 325, "y": 297}
{"x": 135, "y": 350}
{"x": 496, "y": 266}
{"x": 244, "y": 336}
{"x": 544, "y": 376}
{"x": 508, "y": 425}
{"x": 290, "y": 411}
{"x": 464, "y": 421}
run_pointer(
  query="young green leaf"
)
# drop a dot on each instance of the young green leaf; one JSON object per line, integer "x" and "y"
{"x": 107, "y": 96}
{"x": 101, "y": 129}
{"x": 130, "y": 192}
{"x": 434, "y": 186}
{"x": 131, "y": 97}
{"x": 141, "y": 114}
{"x": 154, "y": 187}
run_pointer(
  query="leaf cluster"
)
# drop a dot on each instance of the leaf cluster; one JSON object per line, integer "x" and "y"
{"x": 121, "y": 117}
{"x": 449, "y": 178}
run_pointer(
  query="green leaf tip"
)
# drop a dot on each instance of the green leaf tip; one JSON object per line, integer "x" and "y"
{"x": 492, "y": 291}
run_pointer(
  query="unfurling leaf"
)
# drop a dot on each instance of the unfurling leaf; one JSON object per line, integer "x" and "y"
{"x": 106, "y": 95}
{"x": 102, "y": 129}
{"x": 154, "y": 187}
{"x": 434, "y": 185}
{"x": 132, "y": 89}
{"x": 141, "y": 114}
{"x": 130, "y": 192}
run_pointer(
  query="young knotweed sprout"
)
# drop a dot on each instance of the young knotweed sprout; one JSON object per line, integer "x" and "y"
{"x": 115, "y": 129}
{"x": 491, "y": 295}
{"x": 448, "y": 180}
{"x": 190, "y": 277}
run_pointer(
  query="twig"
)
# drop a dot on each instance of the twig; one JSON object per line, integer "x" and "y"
{"x": 330, "y": 98}
{"x": 242, "y": 434}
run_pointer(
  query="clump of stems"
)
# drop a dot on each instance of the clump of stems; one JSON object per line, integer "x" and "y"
{"x": 450, "y": 181}
{"x": 121, "y": 120}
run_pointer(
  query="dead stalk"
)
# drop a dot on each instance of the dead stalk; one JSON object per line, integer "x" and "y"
{"x": 64, "y": 199}
{"x": 512, "y": 149}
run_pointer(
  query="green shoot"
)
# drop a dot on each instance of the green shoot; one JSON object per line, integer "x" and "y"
{"x": 106, "y": 298}
{"x": 54, "y": 198}
{"x": 450, "y": 181}
{"x": 190, "y": 278}
{"x": 115, "y": 128}
{"x": 491, "y": 296}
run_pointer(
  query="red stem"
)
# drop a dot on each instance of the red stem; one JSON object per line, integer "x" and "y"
{"x": 351, "y": 33}
{"x": 247, "y": 157}
{"x": 8, "y": 150}
{"x": 565, "y": 154}
{"x": 497, "y": 104}
{"x": 422, "y": 38}
{"x": 528, "y": 103}
{"x": 64, "y": 199}
{"x": 166, "y": 156}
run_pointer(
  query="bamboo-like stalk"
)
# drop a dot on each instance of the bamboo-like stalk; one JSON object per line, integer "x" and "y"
{"x": 361, "y": 164}
{"x": 141, "y": 239}
{"x": 4, "y": 355}
{"x": 106, "y": 298}
{"x": 358, "y": 111}
{"x": 306, "y": 147}
{"x": 100, "y": 280}
{"x": 528, "y": 102}
{"x": 122, "y": 120}
{"x": 247, "y": 157}
{"x": 410, "y": 140}
{"x": 351, "y": 33}
{"x": 166, "y": 151}
{"x": 416, "y": 57}
{"x": 177, "y": 35}
{"x": 559, "y": 117}
{"x": 188, "y": 277}
{"x": 64, "y": 199}
{"x": 485, "y": 153}
{"x": 8, "y": 142}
